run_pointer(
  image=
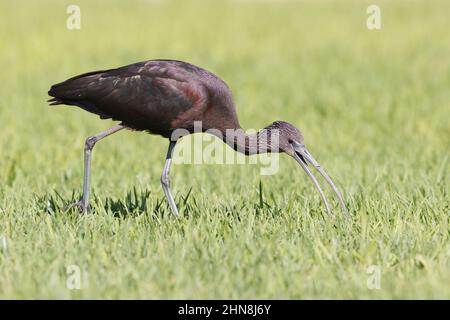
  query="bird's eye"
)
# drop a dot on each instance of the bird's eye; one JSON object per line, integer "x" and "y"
{"x": 290, "y": 140}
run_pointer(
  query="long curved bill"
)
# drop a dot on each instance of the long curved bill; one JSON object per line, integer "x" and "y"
{"x": 314, "y": 180}
{"x": 302, "y": 155}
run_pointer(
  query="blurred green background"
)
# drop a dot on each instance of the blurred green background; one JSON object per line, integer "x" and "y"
{"x": 373, "y": 106}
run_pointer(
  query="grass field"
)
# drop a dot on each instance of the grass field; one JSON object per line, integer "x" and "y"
{"x": 373, "y": 106}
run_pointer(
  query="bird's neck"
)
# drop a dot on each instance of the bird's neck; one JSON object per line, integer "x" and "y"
{"x": 263, "y": 141}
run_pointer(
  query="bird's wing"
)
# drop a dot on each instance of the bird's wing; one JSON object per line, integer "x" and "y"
{"x": 137, "y": 94}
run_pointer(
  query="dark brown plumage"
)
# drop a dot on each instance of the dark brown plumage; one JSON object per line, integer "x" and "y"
{"x": 160, "y": 96}
{"x": 157, "y": 95}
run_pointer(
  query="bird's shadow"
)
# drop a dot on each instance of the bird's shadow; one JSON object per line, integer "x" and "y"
{"x": 135, "y": 203}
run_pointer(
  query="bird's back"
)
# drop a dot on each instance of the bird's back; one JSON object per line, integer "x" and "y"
{"x": 156, "y": 95}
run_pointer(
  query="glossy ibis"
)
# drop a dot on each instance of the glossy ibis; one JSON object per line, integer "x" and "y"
{"x": 161, "y": 96}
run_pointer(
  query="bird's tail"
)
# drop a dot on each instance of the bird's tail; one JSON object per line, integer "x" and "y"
{"x": 75, "y": 92}
{"x": 74, "y": 89}
{"x": 54, "y": 101}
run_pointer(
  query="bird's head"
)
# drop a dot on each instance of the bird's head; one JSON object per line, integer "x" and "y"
{"x": 291, "y": 142}
{"x": 288, "y": 135}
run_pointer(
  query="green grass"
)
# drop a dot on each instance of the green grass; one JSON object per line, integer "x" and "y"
{"x": 373, "y": 107}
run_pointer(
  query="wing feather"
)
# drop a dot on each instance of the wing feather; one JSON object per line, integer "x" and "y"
{"x": 145, "y": 96}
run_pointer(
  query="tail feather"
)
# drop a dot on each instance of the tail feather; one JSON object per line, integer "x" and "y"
{"x": 75, "y": 88}
{"x": 55, "y": 101}
{"x": 75, "y": 92}
{"x": 68, "y": 90}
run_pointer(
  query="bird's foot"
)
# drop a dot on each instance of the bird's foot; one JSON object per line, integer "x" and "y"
{"x": 83, "y": 208}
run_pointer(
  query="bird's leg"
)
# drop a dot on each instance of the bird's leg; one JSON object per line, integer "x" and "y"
{"x": 83, "y": 204}
{"x": 165, "y": 179}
